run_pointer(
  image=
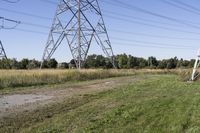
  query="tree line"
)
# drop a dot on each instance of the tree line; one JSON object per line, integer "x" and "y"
{"x": 122, "y": 61}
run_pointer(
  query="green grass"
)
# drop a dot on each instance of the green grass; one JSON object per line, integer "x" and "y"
{"x": 160, "y": 103}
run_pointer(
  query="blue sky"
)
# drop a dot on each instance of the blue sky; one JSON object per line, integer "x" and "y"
{"x": 135, "y": 39}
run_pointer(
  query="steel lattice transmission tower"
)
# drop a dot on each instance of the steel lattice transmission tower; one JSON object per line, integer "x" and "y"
{"x": 80, "y": 23}
{"x": 195, "y": 74}
{"x": 2, "y": 26}
{"x": 2, "y": 51}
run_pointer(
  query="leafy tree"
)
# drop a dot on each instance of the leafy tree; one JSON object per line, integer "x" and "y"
{"x": 162, "y": 64}
{"x": 33, "y": 64}
{"x": 152, "y": 61}
{"x": 108, "y": 64}
{"x": 180, "y": 63}
{"x": 142, "y": 63}
{"x": 45, "y": 64}
{"x": 122, "y": 61}
{"x": 100, "y": 61}
{"x": 186, "y": 64}
{"x": 24, "y": 64}
{"x": 63, "y": 65}
{"x": 131, "y": 62}
{"x": 14, "y": 64}
{"x": 72, "y": 64}
{"x": 52, "y": 63}
{"x": 171, "y": 64}
{"x": 5, "y": 64}
{"x": 91, "y": 61}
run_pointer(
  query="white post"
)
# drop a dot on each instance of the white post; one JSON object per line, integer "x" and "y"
{"x": 196, "y": 65}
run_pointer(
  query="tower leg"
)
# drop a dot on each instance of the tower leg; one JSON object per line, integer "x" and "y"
{"x": 2, "y": 52}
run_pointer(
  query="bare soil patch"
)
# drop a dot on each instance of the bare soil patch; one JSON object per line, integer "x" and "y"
{"x": 18, "y": 100}
{"x": 10, "y": 104}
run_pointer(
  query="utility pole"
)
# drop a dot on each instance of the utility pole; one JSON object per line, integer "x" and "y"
{"x": 80, "y": 23}
{"x": 195, "y": 74}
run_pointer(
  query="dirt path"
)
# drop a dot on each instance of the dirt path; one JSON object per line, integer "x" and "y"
{"x": 29, "y": 99}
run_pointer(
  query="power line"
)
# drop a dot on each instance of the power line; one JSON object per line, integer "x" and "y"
{"x": 8, "y": 20}
{"x": 139, "y": 18}
{"x": 11, "y": 1}
{"x": 126, "y": 32}
{"x": 31, "y": 31}
{"x": 186, "y": 5}
{"x": 124, "y": 15}
{"x": 2, "y": 50}
{"x": 151, "y": 25}
{"x": 151, "y": 46}
{"x": 118, "y": 43}
{"x": 150, "y": 35}
{"x": 174, "y": 4}
{"x": 131, "y": 7}
{"x": 141, "y": 23}
{"x": 122, "y": 19}
{"x": 135, "y": 8}
{"x": 37, "y": 25}
{"x": 121, "y": 39}
{"x": 118, "y": 31}
{"x": 109, "y": 16}
{"x": 26, "y": 14}
{"x": 46, "y": 18}
{"x": 116, "y": 18}
{"x": 115, "y": 4}
{"x": 49, "y": 1}
{"x": 154, "y": 43}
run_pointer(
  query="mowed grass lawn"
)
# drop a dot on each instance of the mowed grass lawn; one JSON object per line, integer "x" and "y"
{"x": 157, "y": 104}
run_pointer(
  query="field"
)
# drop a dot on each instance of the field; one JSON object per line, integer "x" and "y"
{"x": 24, "y": 78}
{"x": 114, "y": 101}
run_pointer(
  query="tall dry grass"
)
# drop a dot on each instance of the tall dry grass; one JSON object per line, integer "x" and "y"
{"x": 22, "y": 78}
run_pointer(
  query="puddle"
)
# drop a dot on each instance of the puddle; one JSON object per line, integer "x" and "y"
{"x": 17, "y": 100}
